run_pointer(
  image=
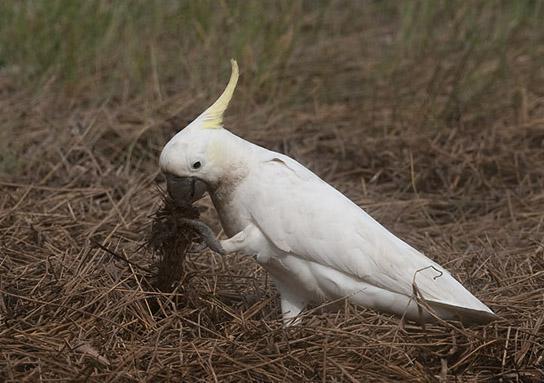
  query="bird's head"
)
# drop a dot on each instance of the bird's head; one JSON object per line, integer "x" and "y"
{"x": 194, "y": 160}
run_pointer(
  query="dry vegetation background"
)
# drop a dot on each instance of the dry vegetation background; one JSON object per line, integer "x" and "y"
{"x": 429, "y": 114}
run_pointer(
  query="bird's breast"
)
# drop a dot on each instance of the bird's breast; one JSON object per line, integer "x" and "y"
{"x": 232, "y": 216}
{"x": 228, "y": 201}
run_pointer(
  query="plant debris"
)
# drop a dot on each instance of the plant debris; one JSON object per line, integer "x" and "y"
{"x": 171, "y": 239}
{"x": 174, "y": 230}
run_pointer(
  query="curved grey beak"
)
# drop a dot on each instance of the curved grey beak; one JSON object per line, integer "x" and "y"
{"x": 185, "y": 190}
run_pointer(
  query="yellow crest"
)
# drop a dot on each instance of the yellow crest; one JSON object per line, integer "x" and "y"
{"x": 212, "y": 118}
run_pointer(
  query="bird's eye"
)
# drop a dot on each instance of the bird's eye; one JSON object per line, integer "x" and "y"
{"x": 197, "y": 165}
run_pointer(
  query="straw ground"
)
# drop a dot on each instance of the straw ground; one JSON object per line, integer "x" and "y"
{"x": 428, "y": 114}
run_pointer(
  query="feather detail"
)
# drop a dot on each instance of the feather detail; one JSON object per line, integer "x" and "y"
{"x": 212, "y": 118}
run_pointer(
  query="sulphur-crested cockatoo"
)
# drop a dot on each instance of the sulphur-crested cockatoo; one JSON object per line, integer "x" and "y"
{"x": 317, "y": 245}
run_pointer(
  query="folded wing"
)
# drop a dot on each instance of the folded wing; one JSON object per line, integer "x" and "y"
{"x": 302, "y": 215}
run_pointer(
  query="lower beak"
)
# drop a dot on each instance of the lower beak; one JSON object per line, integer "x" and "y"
{"x": 185, "y": 190}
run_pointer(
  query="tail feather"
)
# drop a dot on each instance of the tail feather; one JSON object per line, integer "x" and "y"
{"x": 462, "y": 314}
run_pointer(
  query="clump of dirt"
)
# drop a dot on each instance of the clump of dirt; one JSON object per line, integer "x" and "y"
{"x": 170, "y": 239}
{"x": 175, "y": 228}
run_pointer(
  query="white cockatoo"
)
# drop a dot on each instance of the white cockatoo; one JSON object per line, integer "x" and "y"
{"x": 317, "y": 245}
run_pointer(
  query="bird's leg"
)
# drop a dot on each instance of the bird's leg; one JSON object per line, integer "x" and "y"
{"x": 234, "y": 243}
{"x": 291, "y": 305}
{"x": 249, "y": 241}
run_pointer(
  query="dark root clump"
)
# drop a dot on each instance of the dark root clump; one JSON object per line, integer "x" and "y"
{"x": 171, "y": 237}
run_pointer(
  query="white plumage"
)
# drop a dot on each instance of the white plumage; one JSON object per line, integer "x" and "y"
{"x": 317, "y": 245}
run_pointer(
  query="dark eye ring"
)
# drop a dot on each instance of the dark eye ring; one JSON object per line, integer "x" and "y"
{"x": 197, "y": 165}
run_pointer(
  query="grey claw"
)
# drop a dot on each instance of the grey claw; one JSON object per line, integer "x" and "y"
{"x": 206, "y": 233}
{"x": 198, "y": 248}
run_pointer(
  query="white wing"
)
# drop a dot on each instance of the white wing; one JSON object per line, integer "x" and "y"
{"x": 305, "y": 216}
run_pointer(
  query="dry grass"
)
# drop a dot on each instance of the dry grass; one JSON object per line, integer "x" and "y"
{"x": 440, "y": 140}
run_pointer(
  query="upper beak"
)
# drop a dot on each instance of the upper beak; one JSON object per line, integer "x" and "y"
{"x": 185, "y": 189}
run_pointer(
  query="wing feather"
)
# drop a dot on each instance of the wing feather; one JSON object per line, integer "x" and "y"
{"x": 318, "y": 223}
